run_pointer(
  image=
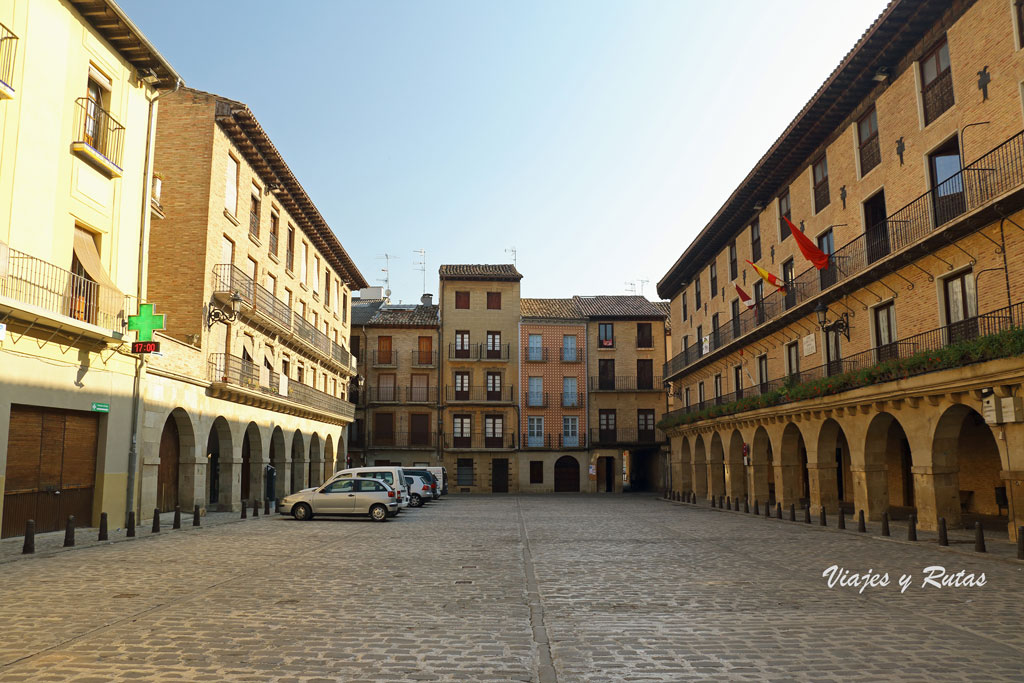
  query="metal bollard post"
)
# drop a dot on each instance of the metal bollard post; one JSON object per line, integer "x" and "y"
{"x": 778, "y": 510}
{"x": 728, "y": 503}
{"x": 255, "y": 509}
{"x": 736, "y": 505}
{"x": 266, "y": 506}
{"x": 979, "y": 538}
{"x": 129, "y": 527}
{"x": 767, "y": 510}
{"x": 792, "y": 512}
{"x": 757, "y": 510}
{"x": 176, "y": 524}
{"x": 712, "y": 501}
{"x": 156, "y": 521}
{"x": 244, "y": 509}
{"x": 69, "y": 532}
{"x": 885, "y": 523}
{"x": 29, "y": 546}
{"x": 861, "y": 527}
{"x": 746, "y": 505}
{"x": 821, "y": 517}
{"x": 842, "y": 518}
{"x": 103, "y": 527}
{"x": 943, "y": 536}
{"x": 720, "y": 501}
{"x": 912, "y": 527}
{"x": 807, "y": 513}
{"x": 1020, "y": 543}
{"x": 195, "y": 516}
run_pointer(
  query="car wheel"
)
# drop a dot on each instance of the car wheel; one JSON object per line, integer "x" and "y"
{"x": 379, "y": 513}
{"x": 415, "y": 501}
{"x": 302, "y": 512}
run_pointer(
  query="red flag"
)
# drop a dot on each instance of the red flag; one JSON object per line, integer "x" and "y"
{"x": 744, "y": 299}
{"x": 769, "y": 278}
{"x": 807, "y": 248}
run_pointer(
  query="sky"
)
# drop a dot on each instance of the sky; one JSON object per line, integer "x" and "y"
{"x": 596, "y": 138}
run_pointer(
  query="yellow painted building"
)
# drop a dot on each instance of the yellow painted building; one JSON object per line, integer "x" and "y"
{"x": 78, "y": 83}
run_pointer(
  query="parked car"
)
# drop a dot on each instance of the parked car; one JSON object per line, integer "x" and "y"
{"x": 442, "y": 479}
{"x": 420, "y": 490}
{"x": 390, "y": 475}
{"x": 343, "y": 496}
{"x": 435, "y": 491}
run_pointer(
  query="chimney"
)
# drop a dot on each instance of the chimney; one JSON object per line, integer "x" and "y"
{"x": 427, "y": 299}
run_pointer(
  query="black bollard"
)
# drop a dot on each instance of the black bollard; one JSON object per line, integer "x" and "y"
{"x": 266, "y": 506}
{"x": 807, "y": 513}
{"x": 746, "y": 504}
{"x": 712, "y": 501}
{"x": 129, "y": 527}
{"x": 778, "y": 510}
{"x": 736, "y": 505}
{"x": 255, "y": 508}
{"x": 885, "y": 523}
{"x": 821, "y": 517}
{"x": 69, "y": 532}
{"x": 103, "y": 527}
{"x": 176, "y": 524}
{"x": 912, "y": 527}
{"x": 861, "y": 527}
{"x": 29, "y": 546}
{"x": 195, "y": 516}
{"x": 842, "y": 518}
{"x": 767, "y": 510}
{"x": 943, "y": 536}
{"x": 792, "y": 512}
{"x": 728, "y": 503}
{"x": 244, "y": 509}
{"x": 1020, "y": 543}
{"x": 979, "y": 538}
{"x": 720, "y": 501}
{"x": 156, "y": 521}
{"x": 757, "y": 510}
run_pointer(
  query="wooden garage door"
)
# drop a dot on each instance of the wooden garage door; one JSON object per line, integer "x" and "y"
{"x": 51, "y": 468}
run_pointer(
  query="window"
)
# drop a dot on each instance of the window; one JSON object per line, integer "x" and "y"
{"x": 570, "y": 431}
{"x": 316, "y": 274}
{"x": 700, "y": 393}
{"x": 788, "y": 273}
{"x": 275, "y": 227}
{"x": 718, "y": 386}
{"x": 344, "y": 307}
{"x": 254, "y": 212}
{"x": 606, "y": 424}
{"x": 826, "y": 242}
{"x": 885, "y": 332}
{"x": 535, "y": 392}
{"x": 288, "y": 297}
{"x": 494, "y": 344}
{"x": 686, "y": 397}
{"x": 494, "y": 431}
{"x": 716, "y": 340}
{"x": 785, "y": 210}
{"x": 737, "y": 381}
{"x": 385, "y": 356}
{"x": 686, "y": 313}
{"x": 867, "y": 141}
{"x": 536, "y": 471}
{"x": 96, "y": 123}
{"x": 535, "y": 432}
{"x": 272, "y": 284}
{"x": 493, "y": 386}
{"x": 418, "y": 388}
{"x": 645, "y": 425}
{"x": 231, "y": 186}
{"x": 461, "y": 299}
{"x": 733, "y": 263}
{"x": 947, "y": 181}
{"x": 464, "y": 471}
{"x": 462, "y": 426}
{"x": 253, "y": 268}
{"x": 645, "y": 374}
{"x": 327, "y": 289}
{"x": 937, "y": 82}
{"x": 755, "y": 241}
{"x": 759, "y": 315}
{"x": 700, "y": 341}
{"x": 304, "y": 264}
{"x": 877, "y": 227}
{"x": 644, "y": 338}
{"x": 605, "y": 336}
{"x": 793, "y": 361}
{"x": 461, "y": 386}
{"x": 289, "y": 254}
{"x": 696, "y": 292}
{"x": 820, "y": 174}
{"x": 569, "y": 348}
{"x": 961, "y": 304}
{"x": 494, "y": 301}
{"x": 534, "y": 348}
{"x": 606, "y": 374}
{"x": 570, "y": 395}
{"x": 462, "y": 343}
{"x": 735, "y": 318}
{"x": 227, "y": 251}
{"x": 713, "y": 270}
{"x": 762, "y": 372}
{"x": 316, "y": 319}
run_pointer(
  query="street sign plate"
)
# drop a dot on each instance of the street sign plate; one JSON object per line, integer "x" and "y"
{"x": 100, "y": 407}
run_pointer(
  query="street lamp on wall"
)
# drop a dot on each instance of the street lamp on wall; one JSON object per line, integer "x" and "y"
{"x": 216, "y": 315}
{"x": 840, "y": 325}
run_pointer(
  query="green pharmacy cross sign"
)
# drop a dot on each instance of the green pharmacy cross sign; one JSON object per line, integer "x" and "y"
{"x": 145, "y": 322}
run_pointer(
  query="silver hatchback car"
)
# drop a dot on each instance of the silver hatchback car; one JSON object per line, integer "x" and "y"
{"x": 345, "y": 496}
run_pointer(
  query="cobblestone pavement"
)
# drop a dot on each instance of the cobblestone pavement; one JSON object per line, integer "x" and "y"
{"x": 532, "y": 588}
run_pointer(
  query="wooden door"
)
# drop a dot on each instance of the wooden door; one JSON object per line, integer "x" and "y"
{"x": 426, "y": 351}
{"x": 499, "y": 475}
{"x": 384, "y": 429}
{"x": 567, "y": 474}
{"x": 606, "y": 374}
{"x": 384, "y": 350}
{"x": 419, "y": 429}
{"x": 167, "y": 475}
{"x": 645, "y": 374}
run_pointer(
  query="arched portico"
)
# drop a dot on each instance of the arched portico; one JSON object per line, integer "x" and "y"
{"x": 885, "y": 481}
{"x": 762, "y": 471}
{"x": 329, "y": 468}
{"x": 316, "y": 464}
{"x": 177, "y": 456}
{"x": 831, "y": 479}
{"x": 716, "y": 466}
{"x": 792, "y": 483}
{"x": 278, "y": 459}
{"x": 700, "y": 467}
{"x": 250, "y": 469}
{"x": 735, "y": 470}
{"x": 298, "y": 464}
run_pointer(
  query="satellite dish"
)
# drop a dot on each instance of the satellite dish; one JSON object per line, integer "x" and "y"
{"x": 387, "y": 292}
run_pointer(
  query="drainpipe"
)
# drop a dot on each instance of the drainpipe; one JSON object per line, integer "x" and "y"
{"x": 144, "y": 223}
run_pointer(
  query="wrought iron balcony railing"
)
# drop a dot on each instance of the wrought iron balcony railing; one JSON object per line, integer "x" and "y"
{"x": 479, "y": 395}
{"x": 993, "y": 174}
{"x": 384, "y": 394}
{"x": 570, "y": 354}
{"x": 424, "y": 359}
{"x": 535, "y": 354}
{"x": 385, "y": 358}
{"x": 421, "y": 394}
{"x": 626, "y": 383}
{"x": 95, "y": 127}
{"x": 572, "y": 399}
{"x": 8, "y": 50}
{"x": 625, "y": 436}
{"x": 479, "y": 352}
{"x": 403, "y": 440}
{"x": 39, "y": 283}
{"x": 480, "y": 441}
{"x": 552, "y": 441}
{"x": 536, "y": 399}
{"x": 938, "y": 96}
{"x": 387, "y": 394}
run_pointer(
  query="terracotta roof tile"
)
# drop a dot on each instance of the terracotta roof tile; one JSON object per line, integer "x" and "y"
{"x": 364, "y": 310}
{"x": 549, "y": 308}
{"x": 624, "y": 306}
{"x": 480, "y": 271}
{"x": 405, "y": 316}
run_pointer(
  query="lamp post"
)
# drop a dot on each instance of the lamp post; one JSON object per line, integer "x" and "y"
{"x": 840, "y": 325}
{"x": 216, "y": 315}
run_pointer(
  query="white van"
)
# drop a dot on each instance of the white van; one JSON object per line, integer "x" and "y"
{"x": 390, "y": 475}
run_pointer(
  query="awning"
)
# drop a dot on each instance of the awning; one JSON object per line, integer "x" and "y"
{"x": 89, "y": 257}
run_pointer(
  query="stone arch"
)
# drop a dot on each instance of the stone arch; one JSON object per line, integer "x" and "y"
{"x": 735, "y": 470}
{"x": 329, "y": 467}
{"x": 965, "y": 485}
{"x": 177, "y": 455}
{"x": 762, "y": 470}
{"x": 297, "y": 454}
{"x": 316, "y": 458}
{"x": 716, "y": 466}
{"x": 887, "y": 483}
{"x": 792, "y": 482}
{"x": 252, "y": 467}
{"x": 685, "y": 465}
{"x": 700, "y": 467}
{"x": 832, "y": 485}
{"x": 278, "y": 459}
{"x": 567, "y": 474}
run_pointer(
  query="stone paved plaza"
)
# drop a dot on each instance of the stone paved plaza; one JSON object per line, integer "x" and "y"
{"x": 541, "y": 588}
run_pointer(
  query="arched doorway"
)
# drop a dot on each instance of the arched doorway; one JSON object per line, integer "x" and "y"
{"x": 793, "y": 465}
{"x": 686, "y": 463}
{"x": 278, "y": 464}
{"x": 700, "y": 468}
{"x": 168, "y": 474}
{"x": 315, "y": 461}
{"x": 716, "y": 467}
{"x": 888, "y": 478}
{"x": 735, "y": 470}
{"x": 219, "y": 468}
{"x": 567, "y": 474}
{"x": 972, "y": 491}
{"x": 606, "y": 474}
{"x": 252, "y": 463}
{"x": 298, "y": 462}
{"x": 762, "y": 467}
{"x": 328, "y": 458}
{"x": 835, "y": 486}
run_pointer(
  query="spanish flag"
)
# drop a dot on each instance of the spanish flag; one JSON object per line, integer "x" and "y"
{"x": 807, "y": 248}
{"x": 744, "y": 298}
{"x": 769, "y": 278}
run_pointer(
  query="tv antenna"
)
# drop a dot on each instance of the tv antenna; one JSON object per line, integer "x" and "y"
{"x": 642, "y": 283}
{"x": 387, "y": 273}
{"x": 512, "y": 250}
{"x": 630, "y": 287}
{"x": 421, "y": 266}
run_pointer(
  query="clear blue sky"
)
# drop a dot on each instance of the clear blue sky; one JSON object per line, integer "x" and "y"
{"x": 597, "y": 137}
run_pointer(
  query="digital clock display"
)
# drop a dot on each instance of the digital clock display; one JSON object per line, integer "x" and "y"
{"x": 145, "y": 347}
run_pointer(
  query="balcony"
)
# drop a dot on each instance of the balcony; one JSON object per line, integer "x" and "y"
{"x": 535, "y": 354}
{"x": 480, "y": 441}
{"x": 572, "y": 399}
{"x": 410, "y": 440}
{"x": 421, "y": 395}
{"x": 536, "y": 399}
{"x": 383, "y": 394}
{"x": 424, "y": 359}
{"x": 57, "y": 297}
{"x": 625, "y": 383}
{"x": 938, "y": 96}
{"x": 625, "y": 436}
{"x": 569, "y": 354}
{"x": 99, "y": 138}
{"x": 242, "y": 381}
{"x": 384, "y": 358}
{"x": 8, "y": 49}
{"x": 402, "y": 394}
{"x": 254, "y": 221}
{"x": 906, "y": 233}
{"x": 644, "y": 342}
{"x": 479, "y": 352}
{"x": 479, "y": 395}
{"x": 606, "y": 342}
